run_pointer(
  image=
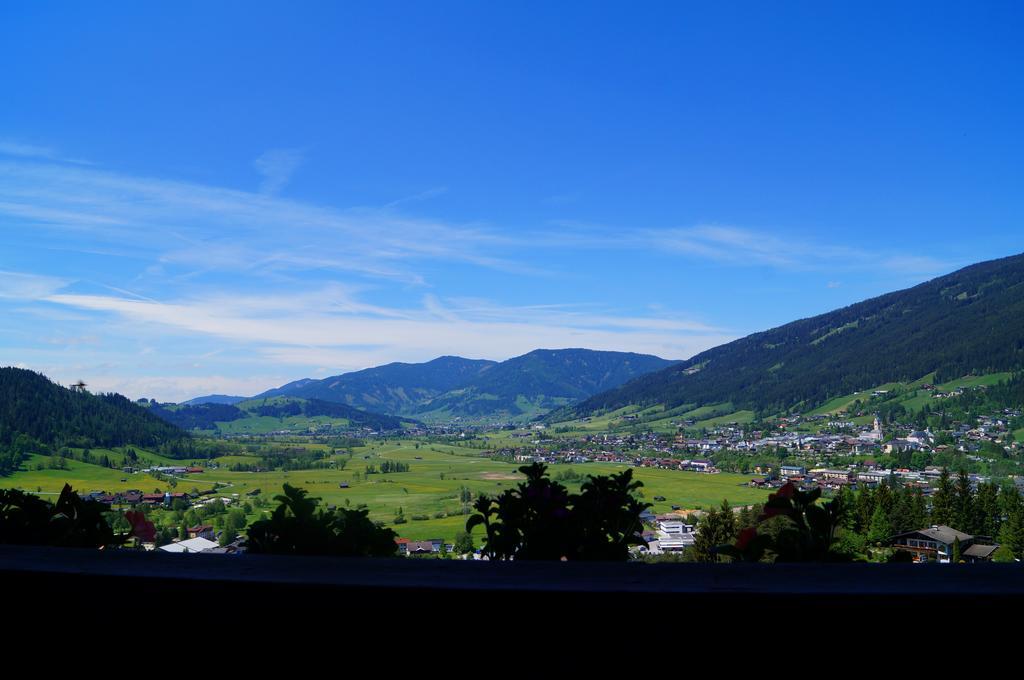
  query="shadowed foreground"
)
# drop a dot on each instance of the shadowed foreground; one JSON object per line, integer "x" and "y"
{"x": 385, "y": 591}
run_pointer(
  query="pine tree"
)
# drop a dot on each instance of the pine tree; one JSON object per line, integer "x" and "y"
{"x": 919, "y": 511}
{"x": 943, "y": 500}
{"x": 900, "y": 519}
{"x": 965, "y": 513}
{"x": 865, "y": 509}
{"x": 957, "y": 555}
{"x": 706, "y": 540}
{"x": 728, "y": 523}
{"x": 988, "y": 513}
{"x": 745, "y": 521}
{"x": 878, "y": 532}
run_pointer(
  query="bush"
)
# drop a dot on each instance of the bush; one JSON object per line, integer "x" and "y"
{"x": 541, "y": 520}
{"x": 28, "y": 520}
{"x": 298, "y": 527}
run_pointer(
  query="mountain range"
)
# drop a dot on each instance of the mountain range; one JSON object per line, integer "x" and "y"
{"x": 448, "y": 387}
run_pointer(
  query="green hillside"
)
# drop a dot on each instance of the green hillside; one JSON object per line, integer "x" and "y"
{"x": 39, "y": 416}
{"x": 965, "y": 323}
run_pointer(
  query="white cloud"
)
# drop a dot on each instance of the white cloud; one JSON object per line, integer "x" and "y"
{"x": 312, "y": 330}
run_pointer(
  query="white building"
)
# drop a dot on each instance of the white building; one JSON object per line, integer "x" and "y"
{"x": 192, "y": 545}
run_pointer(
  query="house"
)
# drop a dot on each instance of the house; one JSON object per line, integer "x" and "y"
{"x": 792, "y": 471}
{"x": 202, "y": 531}
{"x": 936, "y": 543}
{"x": 420, "y": 548}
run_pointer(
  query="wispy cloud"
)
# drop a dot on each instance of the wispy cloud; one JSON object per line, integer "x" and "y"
{"x": 421, "y": 196}
{"x": 306, "y": 330}
{"x": 742, "y": 247}
{"x": 13, "y": 148}
{"x": 21, "y": 286}
{"x": 214, "y": 228}
{"x": 277, "y": 167}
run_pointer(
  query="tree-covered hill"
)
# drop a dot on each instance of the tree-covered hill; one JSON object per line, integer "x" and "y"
{"x": 209, "y": 416}
{"x": 544, "y": 379}
{"x": 970, "y": 321}
{"x": 39, "y": 416}
{"x": 393, "y": 388}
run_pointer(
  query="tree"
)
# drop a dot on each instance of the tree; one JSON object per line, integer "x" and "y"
{"x": 880, "y": 530}
{"x": 943, "y": 501}
{"x": 712, "y": 532}
{"x": 965, "y": 513}
{"x": 957, "y": 556}
{"x": 463, "y": 543}
{"x": 987, "y": 512}
{"x": 227, "y": 536}
{"x": 1003, "y": 554}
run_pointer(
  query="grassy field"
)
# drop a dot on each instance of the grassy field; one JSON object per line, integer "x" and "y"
{"x": 437, "y": 474}
{"x": 909, "y": 396}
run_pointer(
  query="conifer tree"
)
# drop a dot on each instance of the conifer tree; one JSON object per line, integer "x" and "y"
{"x": 878, "y": 532}
{"x": 988, "y": 516}
{"x": 943, "y": 500}
{"x": 965, "y": 512}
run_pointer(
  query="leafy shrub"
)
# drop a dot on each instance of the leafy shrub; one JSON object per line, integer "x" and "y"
{"x": 298, "y": 527}
{"x": 541, "y": 520}
{"x": 28, "y": 520}
{"x": 793, "y": 528}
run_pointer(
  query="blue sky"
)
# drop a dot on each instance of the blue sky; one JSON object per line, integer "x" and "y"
{"x": 222, "y": 197}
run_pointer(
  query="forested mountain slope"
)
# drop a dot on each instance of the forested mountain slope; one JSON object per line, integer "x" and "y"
{"x": 969, "y": 321}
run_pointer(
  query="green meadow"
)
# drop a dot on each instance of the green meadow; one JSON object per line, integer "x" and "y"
{"x": 432, "y": 485}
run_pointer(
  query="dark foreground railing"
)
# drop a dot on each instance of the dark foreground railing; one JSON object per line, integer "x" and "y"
{"x": 435, "y": 594}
